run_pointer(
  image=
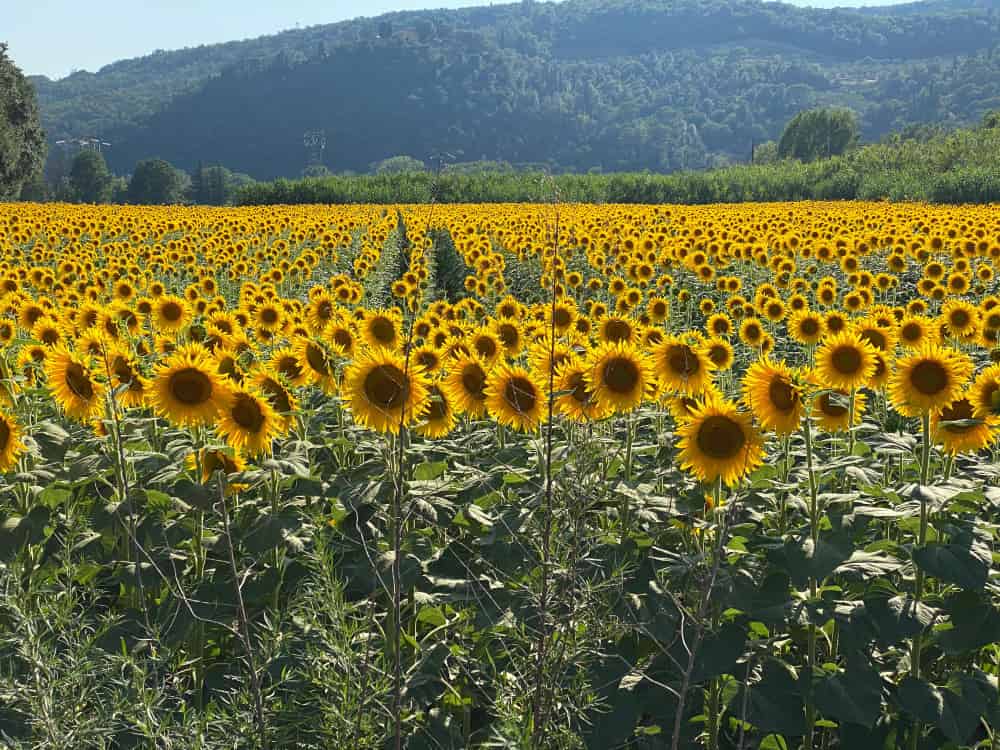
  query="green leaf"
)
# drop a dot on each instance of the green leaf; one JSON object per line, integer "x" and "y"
{"x": 975, "y": 623}
{"x": 965, "y": 566}
{"x": 897, "y": 618}
{"x": 430, "y": 470}
{"x": 774, "y": 703}
{"x": 802, "y": 559}
{"x": 954, "y": 709}
{"x": 773, "y": 742}
{"x": 854, "y": 695}
{"x": 719, "y": 652}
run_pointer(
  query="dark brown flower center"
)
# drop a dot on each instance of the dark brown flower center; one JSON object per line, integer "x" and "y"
{"x": 929, "y": 377}
{"x": 621, "y": 375}
{"x": 720, "y": 437}
{"x": 246, "y": 412}
{"x": 386, "y": 387}
{"x": 682, "y": 360}
{"x": 783, "y": 396}
{"x": 474, "y": 381}
{"x": 846, "y": 359}
{"x": 190, "y": 386}
{"x": 520, "y": 394}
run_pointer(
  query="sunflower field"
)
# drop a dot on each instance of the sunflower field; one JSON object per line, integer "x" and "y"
{"x": 500, "y": 476}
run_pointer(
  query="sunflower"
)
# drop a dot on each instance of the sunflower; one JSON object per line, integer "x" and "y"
{"x": 615, "y": 329}
{"x": 321, "y": 310}
{"x": 960, "y": 317}
{"x": 751, "y": 332}
{"x": 429, "y": 358}
{"x": 268, "y": 317}
{"x": 577, "y": 402}
{"x": 314, "y": 362}
{"x": 341, "y": 336}
{"x": 513, "y": 398}
{"x": 719, "y": 324}
{"x": 440, "y": 417}
{"x": 915, "y": 331}
{"x": 959, "y": 430}
{"x": 880, "y": 377}
{"x": 383, "y": 392}
{"x": 545, "y": 358}
{"x": 806, "y": 327}
{"x": 465, "y": 385}
{"x": 928, "y": 380}
{"x": 73, "y": 385}
{"x": 770, "y": 390}
{"x": 719, "y": 352}
{"x": 486, "y": 344}
{"x": 719, "y": 441}
{"x": 282, "y": 400}
{"x": 832, "y": 411}
{"x": 681, "y": 367}
{"x": 835, "y": 322}
{"x": 207, "y": 461}
{"x": 187, "y": 389}
{"x": 248, "y": 422}
{"x": 882, "y": 338}
{"x": 286, "y": 363}
{"x": 845, "y": 361}
{"x": 619, "y": 377}
{"x": 171, "y": 313}
{"x": 511, "y": 335}
{"x": 130, "y": 387}
{"x": 11, "y": 446}
{"x": 380, "y": 329}
{"x": 47, "y": 331}
{"x": 682, "y": 407}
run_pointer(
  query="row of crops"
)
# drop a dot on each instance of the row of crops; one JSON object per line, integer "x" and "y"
{"x": 537, "y": 476}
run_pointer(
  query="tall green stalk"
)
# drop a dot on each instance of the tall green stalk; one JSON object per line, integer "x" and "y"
{"x": 918, "y": 584}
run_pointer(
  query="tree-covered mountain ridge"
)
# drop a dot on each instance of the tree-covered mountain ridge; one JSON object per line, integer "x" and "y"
{"x": 577, "y": 85}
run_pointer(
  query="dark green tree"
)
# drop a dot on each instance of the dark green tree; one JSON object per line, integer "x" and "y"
{"x": 818, "y": 133}
{"x": 22, "y": 142}
{"x": 89, "y": 177}
{"x": 155, "y": 182}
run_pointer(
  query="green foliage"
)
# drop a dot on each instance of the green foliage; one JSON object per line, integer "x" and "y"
{"x": 957, "y": 167}
{"x": 89, "y": 178}
{"x": 155, "y": 182}
{"x": 398, "y": 165}
{"x": 22, "y": 142}
{"x": 818, "y": 133}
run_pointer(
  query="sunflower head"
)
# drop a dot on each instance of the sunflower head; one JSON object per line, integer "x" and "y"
{"x": 959, "y": 430}
{"x": 187, "y": 388}
{"x": 384, "y": 391}
{"x": 514, "y": 399}
{"x": 773, "y": 395}
{"x": 718, "y": 441}
{"x": 619, "y": 377}
{"x": 845, "y": 361}
{"x": 248, "y": 422}
{"x": 928, "y": 380}
{"x": 11, "y": 447}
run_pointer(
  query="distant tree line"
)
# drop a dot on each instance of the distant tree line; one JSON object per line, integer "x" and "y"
{"x": 929, "y": 164}
{"x": 87, "y": 179}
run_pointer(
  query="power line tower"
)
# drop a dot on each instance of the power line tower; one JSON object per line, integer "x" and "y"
{"x": 314, "y": 142}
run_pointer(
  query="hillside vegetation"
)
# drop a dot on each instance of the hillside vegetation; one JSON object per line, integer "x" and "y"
{"x": 616, "y": 85}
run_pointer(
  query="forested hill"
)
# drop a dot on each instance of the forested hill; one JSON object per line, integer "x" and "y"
{"x": 609, "y": 84}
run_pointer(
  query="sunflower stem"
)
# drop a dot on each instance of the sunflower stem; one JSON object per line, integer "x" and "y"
{"x": 814, "y": 536}
{"x": 918, "y": 584}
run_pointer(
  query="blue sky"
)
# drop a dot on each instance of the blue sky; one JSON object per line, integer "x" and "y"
{"x": 53, "y": 37}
